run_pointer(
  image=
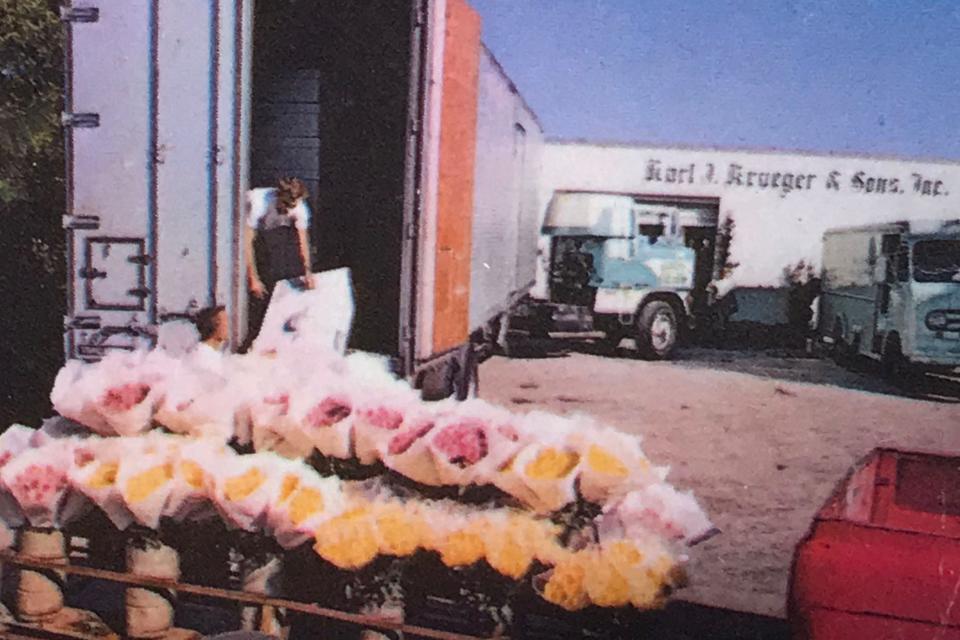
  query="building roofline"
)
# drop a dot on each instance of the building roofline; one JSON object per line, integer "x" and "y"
{"x": 746, "y": 149}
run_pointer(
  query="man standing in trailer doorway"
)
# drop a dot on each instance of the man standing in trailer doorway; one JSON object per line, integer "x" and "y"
{"x": 276, "y": 244}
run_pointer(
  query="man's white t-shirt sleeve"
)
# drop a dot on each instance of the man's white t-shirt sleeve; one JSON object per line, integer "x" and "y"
{"x": 301, "y": 215}
{"x": 258, "y": 202}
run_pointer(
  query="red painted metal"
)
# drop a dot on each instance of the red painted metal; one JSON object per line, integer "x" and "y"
{"x": 882, "y": 557}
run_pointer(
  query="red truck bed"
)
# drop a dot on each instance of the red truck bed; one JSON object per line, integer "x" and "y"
{"x": 882, "y": 557}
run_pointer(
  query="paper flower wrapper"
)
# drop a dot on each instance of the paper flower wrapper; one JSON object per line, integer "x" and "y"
{"x": 38, "y": 479}
{"x": 243, "y": 486}
{"x": 74, "y": 396}
{"x": 407, "y": 452}
{"x": 199, "y": 404}
{"x": 193, "y": 478}
{"x": 116, "y": 396}
{"x": 378, "y": 417}
{"x": 302, "y": 502}
{"x": 324, "y": 415}
{"x": 543, "y": 474}
{"x": 470, "y": 444}
{"x": 613, "y": 462}
{"x": 94, "y": 473}
{"x": 13, "y": 441}
{"x": 660, "y": 509}
{"x": 146, "y": 484}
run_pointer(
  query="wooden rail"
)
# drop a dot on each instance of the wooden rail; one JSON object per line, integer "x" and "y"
{"x": 9, "y": 557}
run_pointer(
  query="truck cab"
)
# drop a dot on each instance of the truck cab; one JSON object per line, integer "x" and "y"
{"x": 618, "y": 267}
{"x": 895, "y": 294}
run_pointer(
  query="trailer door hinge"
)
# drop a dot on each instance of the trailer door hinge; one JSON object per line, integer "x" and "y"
{"x": 87, "y": 323}
{"x": 81, "y": 222}
{"x": 142, "y": 260}
{"x": 80, "y": 120}
{"x": 410, "y": 230}
{"x": 79, "y": 14}
{"x": 140, "y": 292}
{"x": 89, "y": 273}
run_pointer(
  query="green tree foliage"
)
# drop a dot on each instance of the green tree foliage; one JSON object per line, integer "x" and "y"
{"x": 32, "y": 277}
{"x": 31, "y": 83}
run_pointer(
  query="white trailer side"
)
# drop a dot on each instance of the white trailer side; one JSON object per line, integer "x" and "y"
{"x": 156, "y": 131}
{"x": 506, "y": 198}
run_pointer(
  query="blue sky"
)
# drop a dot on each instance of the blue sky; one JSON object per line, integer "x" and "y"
{"x": 879, "y": 76}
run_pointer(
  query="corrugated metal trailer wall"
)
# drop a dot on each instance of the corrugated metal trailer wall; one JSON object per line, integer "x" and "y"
{"x": 506, "y": 195}
{"x": 154, "y": 180}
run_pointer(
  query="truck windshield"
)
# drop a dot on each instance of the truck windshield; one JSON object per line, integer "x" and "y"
{"x": 936, "y": 261}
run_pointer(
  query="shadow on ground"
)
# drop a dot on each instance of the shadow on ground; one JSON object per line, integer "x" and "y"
{"x": 688, "y": 621}
{"x": 792, "y": 365}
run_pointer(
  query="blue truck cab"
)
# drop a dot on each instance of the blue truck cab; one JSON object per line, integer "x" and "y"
{"x": 892, "y": 292}
{"x": 618, "y": 267}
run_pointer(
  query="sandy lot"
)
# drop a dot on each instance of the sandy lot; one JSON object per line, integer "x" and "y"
{"x": 760, "y": 453}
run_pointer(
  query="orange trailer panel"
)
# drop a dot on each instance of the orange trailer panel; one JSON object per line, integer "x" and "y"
{"x": 458, "y": 132}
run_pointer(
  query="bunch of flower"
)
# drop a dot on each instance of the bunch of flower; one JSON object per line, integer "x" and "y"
{"x": 144, "y": 479}
{"x": 351, "y": 409}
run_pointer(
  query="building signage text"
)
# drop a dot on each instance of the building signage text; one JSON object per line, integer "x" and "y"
{"x": 785, "y": 181}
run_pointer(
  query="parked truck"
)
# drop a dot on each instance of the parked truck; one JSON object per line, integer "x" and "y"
{"x": 421, "y": 157}
{"x": 880, "y": 559}
{"x": 891, "y": 292}
{"x": 620, "y": 266}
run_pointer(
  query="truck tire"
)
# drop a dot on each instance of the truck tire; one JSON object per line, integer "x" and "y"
{"x": 657, "y": 330}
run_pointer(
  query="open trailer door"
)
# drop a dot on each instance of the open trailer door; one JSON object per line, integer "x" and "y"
{"x": 156, "y": 134}
{"x": 443, "y": 265}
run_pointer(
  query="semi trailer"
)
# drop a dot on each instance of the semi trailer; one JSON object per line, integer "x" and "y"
{"x": 420, "y": 155}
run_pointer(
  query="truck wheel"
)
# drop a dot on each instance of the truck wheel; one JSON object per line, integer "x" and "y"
{"x": 657, "y": 330}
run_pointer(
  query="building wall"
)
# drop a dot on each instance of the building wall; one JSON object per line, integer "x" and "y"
{"x": 782, "y": 202}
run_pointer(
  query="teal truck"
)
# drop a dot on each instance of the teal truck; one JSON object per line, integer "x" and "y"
{"x": 617, "y": 266}
{"x": 891, "y": 292}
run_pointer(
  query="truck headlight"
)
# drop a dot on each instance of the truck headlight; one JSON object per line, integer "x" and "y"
{"x": 937, "y": 320}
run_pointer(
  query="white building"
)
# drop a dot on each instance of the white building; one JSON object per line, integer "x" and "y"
{"x": 781, "y": 201}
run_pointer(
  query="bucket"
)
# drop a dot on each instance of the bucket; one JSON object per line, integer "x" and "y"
{"x": 39, "y": 594}
{"x": 150, "y": 611}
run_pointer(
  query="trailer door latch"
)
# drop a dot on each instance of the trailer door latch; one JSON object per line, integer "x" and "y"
{"x": 90, "y": 273}
{"x": 79, "y": 14}
{"x": 80, "y": 120}
{"x": 81, "y": 222}
{"x": 83, "y": 323}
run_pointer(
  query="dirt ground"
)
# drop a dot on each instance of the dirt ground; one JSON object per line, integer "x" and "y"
{"x": 760, "y": 449}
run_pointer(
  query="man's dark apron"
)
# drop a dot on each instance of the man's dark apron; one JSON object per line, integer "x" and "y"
{"x": 277, "y": 248}
{"x": 277, "y": 253}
